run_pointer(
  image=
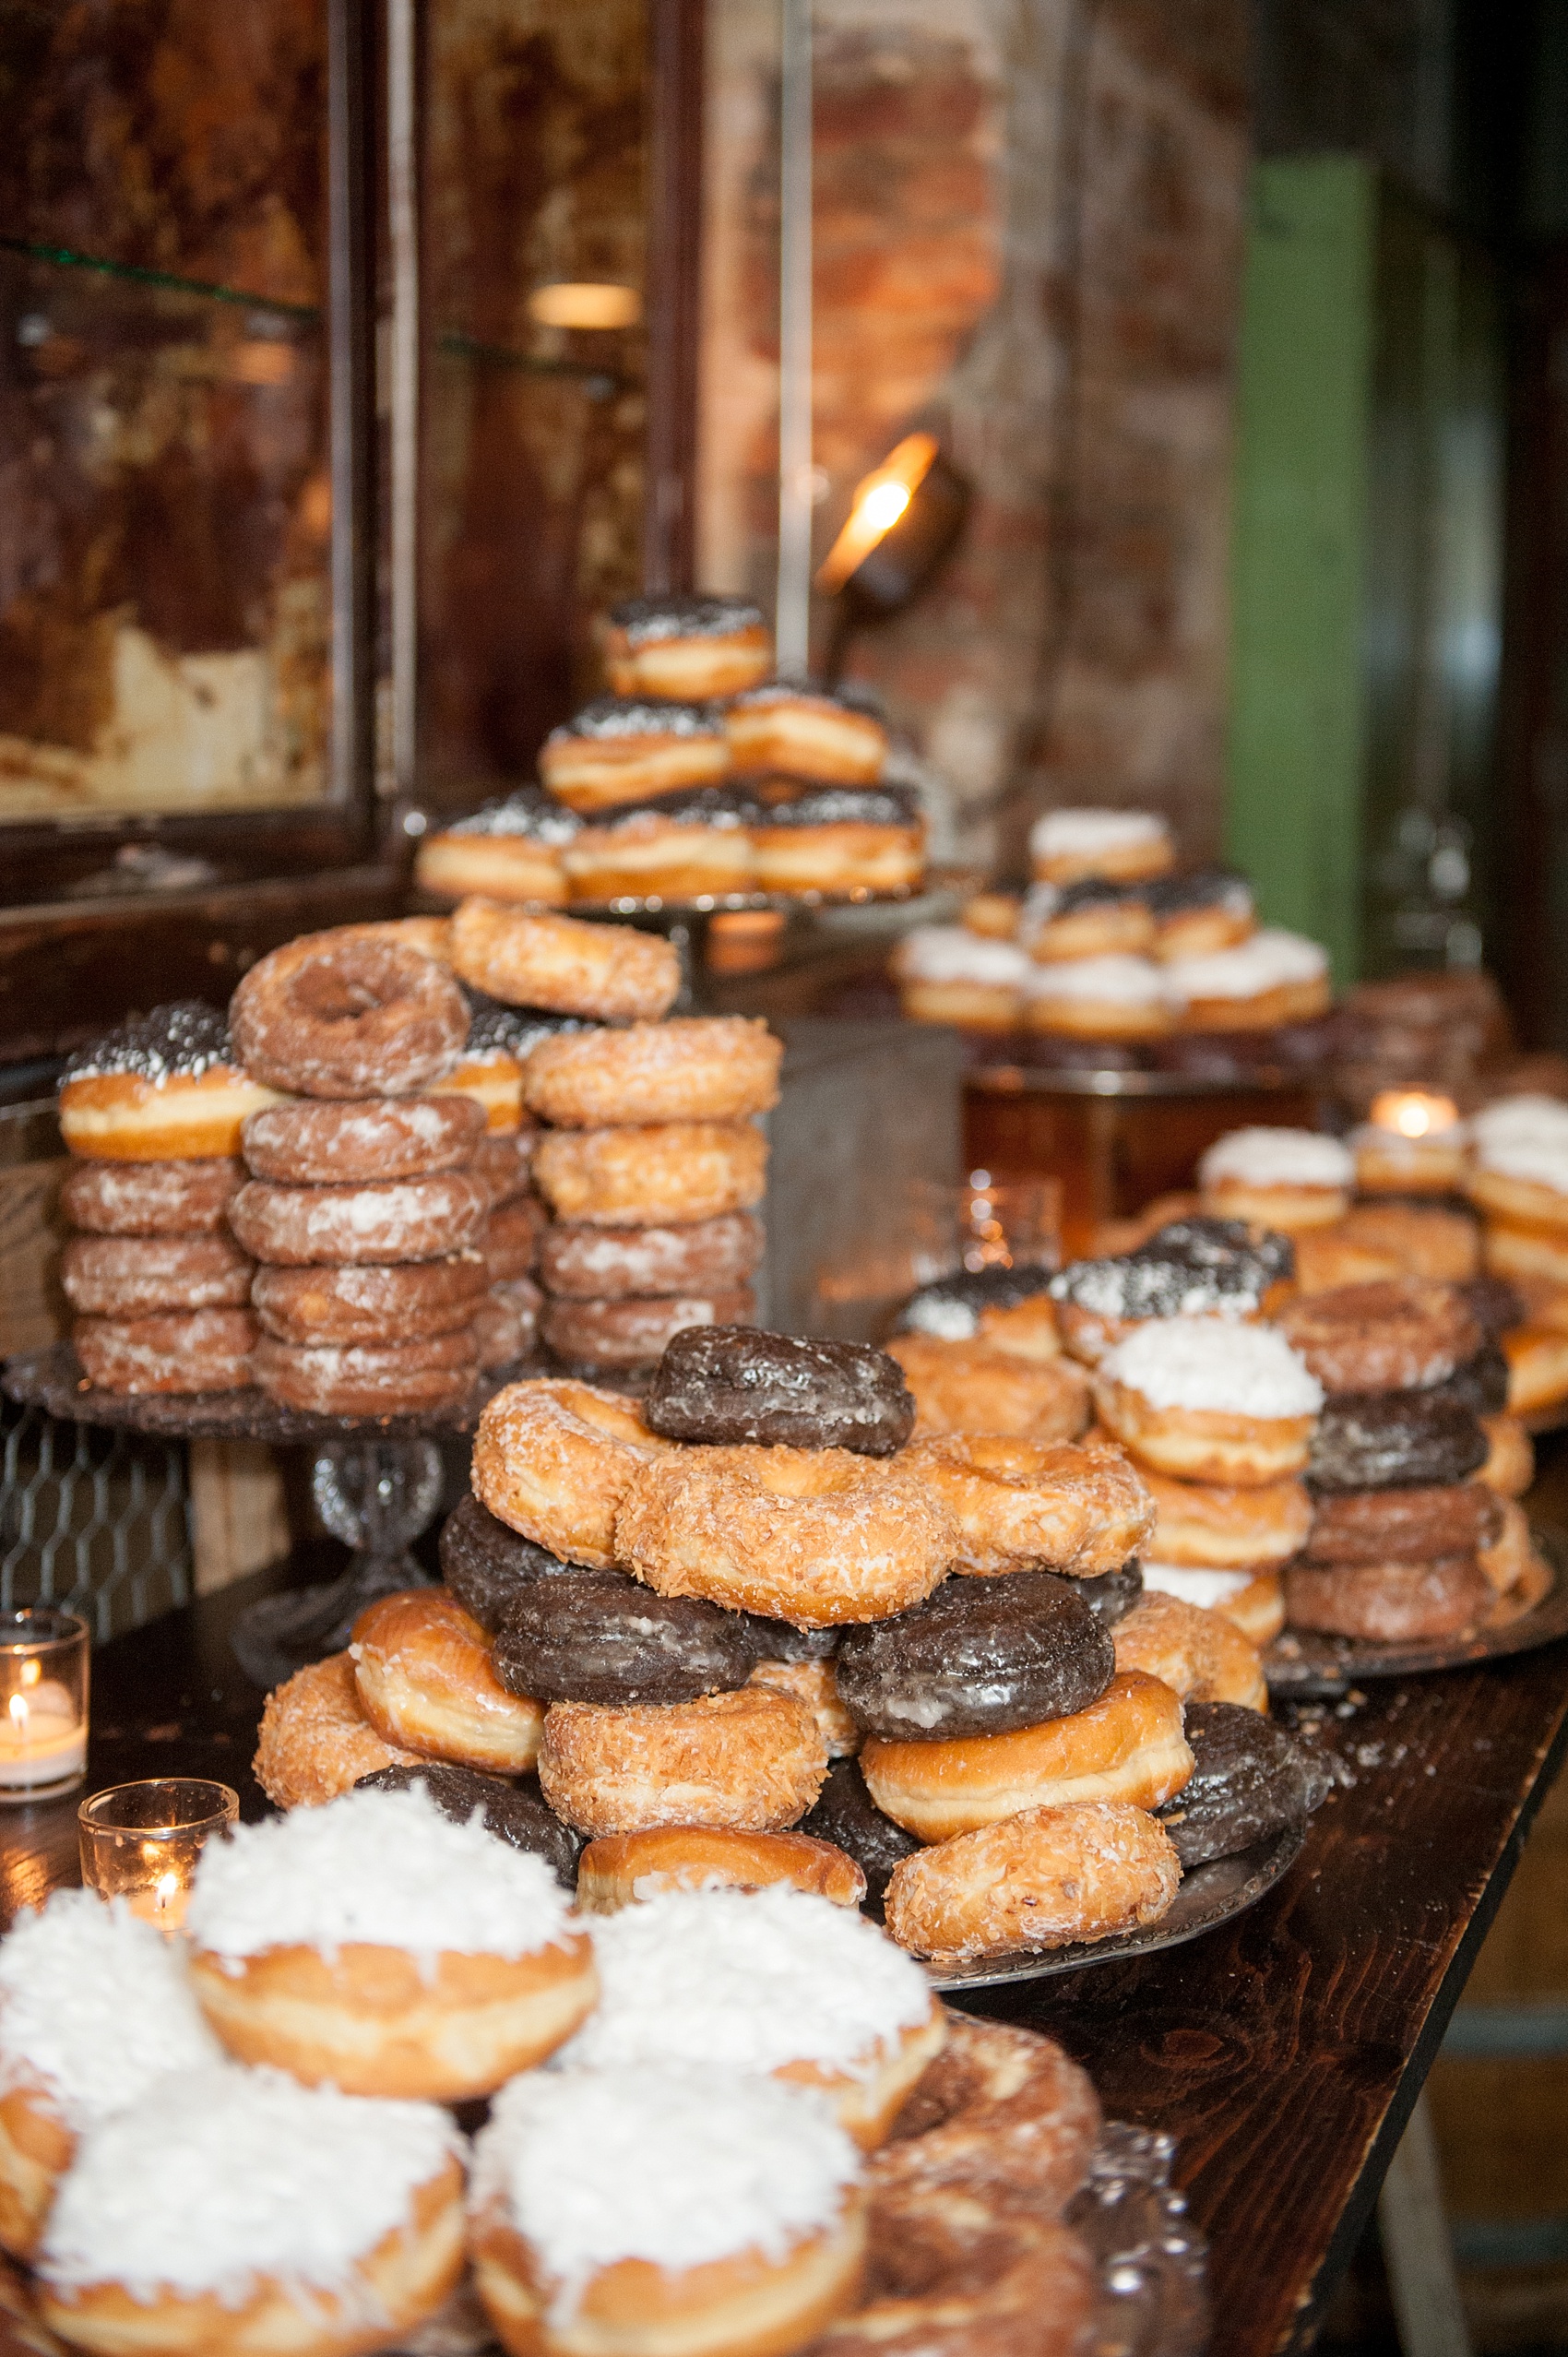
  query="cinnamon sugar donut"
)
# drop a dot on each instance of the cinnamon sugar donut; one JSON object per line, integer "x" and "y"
{"x": 632, "y": 1333}
{"x": 185, "y": 1198}
{"x": 194, "y": 1350}
{"x": 752, "y": 1759}
{"x": 1389, "y": 1603}
{"x": 335, "y": 1016}
{"x": 668, "y": 1171}
{"x": 426, "y": 1682}
{"x": 406, "y": 1302}
{"x": 552, "y": 1459}
{"x": 626, "y": 1869}
{"x": 1212, "y": 1526}
{"x": 316, "y": 1740}
{"x": 702, "y": 1258}
{"x": 1200, "y": 1655}
{"x": 345, "y": 1143}
{"x": 977, "y": 1388}
{"x": 369, "y": 1378}
{"x": 1016, "y": 1502}
{"x": 131, "y": 1276}
{"x": 1401, "y": 1335}
{"x": 719, "y": 1067}
{"x": 1045, "y": 1878}
{"x": 422, "y": 1219}
{"x": 608, "y": 972}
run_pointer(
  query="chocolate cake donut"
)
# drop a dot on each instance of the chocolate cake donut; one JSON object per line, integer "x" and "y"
{"x": 598, "y": 1637}
{"x": 1389, "y": 1603}
{"x": 1386, "y": 1440}
{"x": 844, "y": 1814}
{"x": 1396, "y": 1334}
{"x": 513, "y": 1813}
{"x": 1250, "y": 1779}
{"x": 979, "y": 1658}
{"x": 1482, "y": 1383}
{"x": 737, "y": 1384}
{"x": 1493, "y": 1303}
{"x": 487, "y": 1567}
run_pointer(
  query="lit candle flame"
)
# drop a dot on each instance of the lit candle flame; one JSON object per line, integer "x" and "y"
{"x": 19, "y": 1710}
{"x": 880, "y": 499}
{"x": 1414, "y": 1113}
{"x": 164, "y": 1892}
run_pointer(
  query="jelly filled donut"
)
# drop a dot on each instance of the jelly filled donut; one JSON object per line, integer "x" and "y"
{"x": 946, "y": 974}
{"x": 345, "y": 1144}
{"x": 316, "y": 1740}
{"x": 607, "y": 971}
{"x": 407, "y": 1301}
{"x": 627, "y": 1869}
{"x": 1250, "y": 1779}
{"x": 511, "y": 1812}
{"x": 752, "y": 1759}
{"x": 665, "y": 1172}
{"x": 552, "y": 1459}
{"x": 620, "y": 749}
{"x": 1401, "y": 1335}
{"x": 1019, "y": 1503}
{"x": 154, "y": 1198}
{"x": 490, "y": 1069}
{"x": 1209, "y": 1400}
{"x": 1384, "y": 1440}
{"x": 685, "y": 648}
{"x": 1282, "y": 1178}
{"x": 133, "y": 1276}
{"x": 1043, "y": 1878}
{"x": 1202, "y": 1656}
{"x": 328, "y": 1015}
{"x": 737, "y": 1384}
{"x": 785, "y": 726}
{"x": 841, "y": 840}
{"x": 426, "y": 1682}
{"x": 700, "y": 1257}
{"x": 845, "y": 1815}
{"x": 509, "y": 851}
{"x": 694, "y": 844}
{"x": 1127, "y": 845}
{"x": 164, "y": 1086}
{"x": 1093, "y": 918}
{"x": 978, "y": 1387}
{"x": 719, "y": 1067}
{"x": 486, "y": 1565}
{"x": 598, "y": 1637}
{"x": 177, "y": 1352}
{"x": 979, "y": 1658}
{"x": 1272, "y": 979}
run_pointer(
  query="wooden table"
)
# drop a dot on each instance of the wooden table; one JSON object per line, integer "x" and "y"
{"x": 1284, "y": 2051}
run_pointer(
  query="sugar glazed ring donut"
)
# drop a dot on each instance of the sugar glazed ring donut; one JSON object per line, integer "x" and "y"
{"x": 1213, "y": 1527}
{"x": 419, "y": 1219}
{"x": 165, "y": 1088}
{"x": 1401, "y": 1335}
{"x": 704, "y": 1258}
{"x": 753, "y": 1760}
{"x": 133, "y": 1276}
{"x": 151, "y": 1198}
{"x": 669, "y": 1170}
{"x": 976, "y": 1388}
{"x": 734, "y": 1384}
{"x": 1199, "y": 1655}
{"x": 719, "y": 1067}
{"x": 625, "y": 1869}
{"x": 342, "y": 1143}
{"x": 976, "y": 1658}
{"x": 552, "y": 1459}
{"x": 1083, "y": 1511}
{"x": 178, "y": 1352}
{"x": 598, "y": 1637}
{"x": 810, "y": 1536}
{"x": 426, "y": 1682}
{"x": 608, "y": 972}
{"x": 1044, "y": 1878}
{"x": 1208, "y": 1399}
{"x": 408, "y": 1300}
{"x": 1000, "y": 2108}
{"x": 329, "y": 1016}
{"x": 368, "y": 1378}
{"x": 315, "y": 1741}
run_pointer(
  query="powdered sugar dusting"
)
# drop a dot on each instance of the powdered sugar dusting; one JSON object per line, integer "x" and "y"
{"x": 1194, "y": 1586}
{"x": 1124, "y": 982}
{"x": 1539, "y": 1158}
{"x": 1278, "y": 1158}
{"x": 1082, "y": 834}
{"x": 1211, "y": 1363}
{"x": 1268, "y": 961}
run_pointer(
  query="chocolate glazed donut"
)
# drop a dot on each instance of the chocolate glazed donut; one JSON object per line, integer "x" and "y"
{"x": 979, "y": 1658}
{"x": 1388, "y": 1440}
{"x": 598, "y": 1636}
{"x": 1113, "y": 1594}
{"x": 514, "y": 1813}
{"x": 487, "y": 1567}
{"x": 1250, "y": 1779}
{"x": 738, "y": 1384}
{"x": 844, "y": 1814}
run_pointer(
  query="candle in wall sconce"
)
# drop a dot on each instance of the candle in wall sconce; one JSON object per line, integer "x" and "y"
{"x": 1412, "y": 1144}
{"x": 44, "y": 1704}
{"x": 140, "y": 1842}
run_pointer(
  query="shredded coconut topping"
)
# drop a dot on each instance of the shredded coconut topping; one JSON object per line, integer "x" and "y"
{"x": 646, "y": 620}
{"x": 1081, "y": 833}
{"x": 385, "y": 1868}
{"x": 1126, "y": 981}
{"x": 1211, "y": 1363}
{"x": 220, "y": 2177}
{"x": 680, "y": 2167}
{"x": 527, "y": 810}
{"x": 1278, "y": 1158}
{"x": 1268, "y": 961}
{"x": 612, "y": 716}
{"x": 1209, "y": 1588}
{"x": 95, "y": 2003}
{"x": 184, "y": 1040}
{"x": 946, "y": 953}
{"x": 1148, "y": 1286}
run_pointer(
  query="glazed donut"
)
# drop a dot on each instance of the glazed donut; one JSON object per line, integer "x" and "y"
{"x": 1527, "y": 1253}
{"x": 1401, "y": 1335}
{"x": 1001, "y": 2113}
{"x": 1018, "y": 1502}
{"x": 509, "y": 1242}
{"x": 1272, "y": 979}
{"x": 625, "y": 1869}
{"x": 1126, "y": 1746}
{"x": 1412, "y": 1525}
{"x": 424, "y": 1219}
{"x": 190, "y": 1352}
{"x": 486, "y": 1565}
{"x": 552, "y": 1460}
{"x": 131, "y": 1276}
{"x": 668, "y": 1171}
{"x": 315, "y": 1741}
{"x": 426, "y": 1682}
{"x": 1510, "y": 1555}
{"x": 704, "y": 1258}
{"x": 509, "y": 851}
{"x": 1198, "y": 914}
{"x": 330, "y": 1016}
{"x": 685, "y": 648}
{"x": 1250, "y": 1781}
{"x": 373, "y": 1944}
{"x": 1282, "y": 1178}
{"x": 815, "y": 1684}
{"x": 1389, "y": 1603}
{"x": 815, "y": 1537}
{"x": 342, "y": 1143}
{"x": 752, "y": 1759}
{"x": 1219, "y": 1528}
{"x": 406, "y": 1302}
{"x": 1127, "y": 845}
{"x": 607, "y": 971}
{"x": 166, "y": 1088}
{"x": 845, "y": 1815}
{"x": 979, "y": 1658}
{"x": 1093, "y": 918}
{"x": 151, "y": 1198}
{"x": 1509, "y": 1465}
{"x": 1201, "y": 1656}
{"x": 737, "y": 1384}
{"x": 1111, "y": 1594}
{"x": 718, "y": 1068}
{"x": 799, "y": 731}
{"x": 1537, "y": 1368}
{"x": 1252, "y": 1601}
{"x": 1395, "y": 1440}
{"x": 1208, "y": 1399}
{"x": 975, "y": 1387}
{"x": 1421, "y": 1241}
{"x": 1045, "y": 1877}
{"x": 843, "y": 841}
{"x": 368, "y": 1378}
{"x": 598, "y": 1636}
{"x": 620, "y": 749}
{"x": 634, "y": 1334}
{"x": 1097, "y": 998}
{"x": 694, "y": 844}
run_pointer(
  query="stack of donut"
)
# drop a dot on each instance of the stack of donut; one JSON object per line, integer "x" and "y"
{"x": 152, "y": 1117}
{"x": 1517, "y": 1179}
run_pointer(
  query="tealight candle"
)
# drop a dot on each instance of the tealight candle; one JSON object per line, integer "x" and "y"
{"x": 44, "y": 1704}
{"x": 1414, "y": 1113}
{"x": 140, "y": 1842}
{"x": 1413, "y": 1144}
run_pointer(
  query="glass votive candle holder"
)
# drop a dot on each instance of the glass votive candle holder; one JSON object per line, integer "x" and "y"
{"x": 987, "y": 1223}
{"x": 140, "y": 1842}
{"x": 44, "y": 1657}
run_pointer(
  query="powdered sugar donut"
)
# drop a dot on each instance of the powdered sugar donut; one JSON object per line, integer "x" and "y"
{"x": 173, "y": 1351}
{"x": 634, "y": 1333}
{"x": 1277, "y": 977}
{"x": 368, "y": 1378}
{"x": 1097, "y": 998}
{"x": 345, "y": 1143}
{"x": 1209, "y": 1400}
{"x": 424, "y": 1219}
{"x": 182, "y": 1198}
{"x": 703, "y": 1257}
{"x": 1282, "y": 1178}
{"x": 330, "y": 1015}
{"x": 131, "y": 1276}
{"x": 690, "y": 1069}
{"x": 1124, "y": 844}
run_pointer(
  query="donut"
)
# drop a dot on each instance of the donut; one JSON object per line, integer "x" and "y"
{"x": 1537, "y": 1368}
{"x": 166, "y": 1087}
{"x": 315, "y": 1741}
{"x": 328, "y": 1015}
{"x": 981, "y": 1304}
{"x": 505, "y": 1323}
{"x": 737, "y": 1384}
{"x": 694, "y": 844}
{"x": 1521, "y": 1114}
{"x": 1127, "y": 1745}
{"x": 1528, "y": 1255}
{"x": 325, "y": 1143}
{"x": 189, "y": 1351}
{"x": 490, "y": 1070}
{"x": 1393, "y": 1440}
{"x": 509, "y": 851}
{"x": 609, "y": 972}
{"x": 151, "y": 1198}
{"x": 718, "y": 1068}
{"x": 700, "y": 1259}
{"x": 486, "y": 1565}
{"x": 426, "y": 1682}
{"x": 422, "y": 1219}
{"x": 620, "y": 749}
{"x": 504, "y": 1160}
{"x": 1523, "y": 1183}
{"x": 1109, "y": 1594}
{"x": 845, "y": 1816}
{"x": 1099, "y": 1302}
{"x": 752, "y": 1759}
{"x": 1272, "y": 979}
{"x": 408, "y": 1300}
{"x": 1019, "y": 1503}
{"x": 598, "y": 1637}
{"x": 1420, "y": 1240}
{"x": 1388, "y": 1163}
{"x": 668, "y": 1171}
{"x": 552, "y": 1459}
{"x": 1209, "y": 1400}
{"x": 1510, "y": 1464}
{"x": 993, "y": 915}
{"x": 782, "y": 725}
{"x": 629, "y": 1334}
{"x": 1218, "y": 1526}
{"x": 1252, "y": 1601}
{"x": 368, "y": 1378}
{"x": 946, "y": 974}
{"x": 1389, "y": 1603}
{"x": 685, "y": 648}
{"x": 131, "y": 1276}
{"x": 1290, "y": 1179}
{"x": 429, "y": 936}
{"x": 812, "y": 1536}
{"x": 1044, "y": 1877}
{"x": 161, "y": 2239}
{"x": 1194, "y": 915}
{"x": 1400, "y": 1335}
{"x": 1262, "y": 1258}
{"x": 1093, "y": 918}
{"x": 956, "y": 2272}
{"x": 663, "y": 2213}
{"x": 845, "y": 841}
{"x": 1097, "y": 998}
{"x": 976, "y": 1388}
{"x": 67, "y": 2060}
{"x": 1510, "y": 1555}
{"x": 1250, "y": 1779}
{"x": 1201, "y": 1656}
{"x": 509, "y": 1242}
{"x": 815, "y": 1684}
{"x": 625, "y": 1869}
{"x": 1411, "y": 1525}
{"x": 511, "y": 1812}
{"x": 375, "y": 1944}
{"x": 1494, "y": 1304}
{"x": 979, "y": 1658}
{"x": 1126, "y": 845}
{"x": 1001, "y": 2113}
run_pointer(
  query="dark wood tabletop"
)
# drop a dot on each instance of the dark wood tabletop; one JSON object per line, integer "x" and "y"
{"x": 1283, "y": 2052}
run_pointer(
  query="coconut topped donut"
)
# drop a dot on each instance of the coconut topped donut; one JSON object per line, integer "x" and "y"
{"x": 1271, "y": 960}
{"x": 643, "y": 622}
{"x": 1122, "y": 980}
{"x": 611, "y": 718}
{"x": 1143, "y": 1285}
{"x": 94, "y": 2006}
{"x": 949, "y": 953}
{"x": 178, "y": 1041}
{"x": 737, "y": 1384}
{"x": 218, "y": 2177}
{"x": 746, "y": 1982}
{"x": 1213, "y": 1364}
{"x": 1526, "y": 1116}
{"x": 385, "y": 1869}
{"x": 1204, "y": 1242}
{"x": 527, "y": 810}
{"x": 1277, "y": 1158}
{"x": 1539, "y": 1156}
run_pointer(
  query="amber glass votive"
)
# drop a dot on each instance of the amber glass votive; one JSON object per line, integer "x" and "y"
{"x": 44, "y": 1703}
{"x": 140, "y": 1842}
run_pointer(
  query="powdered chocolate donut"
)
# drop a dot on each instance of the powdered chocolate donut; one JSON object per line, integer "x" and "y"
{"x": 1389, "y": 1603}
{"x": 424, "y": 1219}
{"x": 329, "y": 1016}
{"x": 1386, "y": 1440}
{"x": 369, "y": 1379}
{"x": 345, "y": 1143}
{"x": 737, "y": 1384}
{"x": 509, "y": 1240}
{"x": 184, "y": 1351}
{"x": 634, "y": 1333}
{"x": 704, "y": 1258}
{"x": 151, "y": 1198}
